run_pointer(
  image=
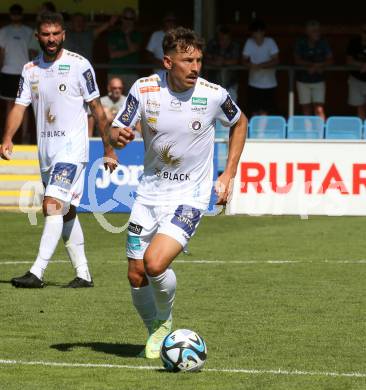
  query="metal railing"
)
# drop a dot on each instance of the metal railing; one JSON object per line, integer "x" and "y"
{"x": 290, "y": 69}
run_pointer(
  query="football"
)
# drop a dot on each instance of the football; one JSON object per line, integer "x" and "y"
{"x": 183, "y": 350}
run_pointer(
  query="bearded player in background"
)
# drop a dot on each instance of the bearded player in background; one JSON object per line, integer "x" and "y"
{"x": 58, "y": 83}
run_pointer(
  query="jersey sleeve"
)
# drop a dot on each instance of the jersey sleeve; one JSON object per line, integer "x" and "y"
{"x": 88, "y": 84}
{"x": 130, "y": 112}
{"x": 246, "y": 49}
{"x": 151, "y": 45}
{"x": 24, "y": 95}
{"x": 228, "y": 112}
{"x": 273, "y": 48}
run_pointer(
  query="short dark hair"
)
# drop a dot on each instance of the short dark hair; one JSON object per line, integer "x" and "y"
{"x": 49, "y": 6}
{"x": 181, "y": 38}
{"x": 257, "y": 25}
{"x": 50, "y": 18}
{"x": 16, "y": 9}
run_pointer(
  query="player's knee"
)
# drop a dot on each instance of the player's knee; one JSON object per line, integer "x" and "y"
{"x": 51, "y": 206}
{"x": 153, "y": 266}
{"x": 137, "y": 278}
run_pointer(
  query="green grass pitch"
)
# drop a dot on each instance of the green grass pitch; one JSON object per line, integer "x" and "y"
{"x": 255, "y": 310}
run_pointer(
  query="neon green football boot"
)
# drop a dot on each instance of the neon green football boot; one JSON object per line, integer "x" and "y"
{"x": 160, "y": 329}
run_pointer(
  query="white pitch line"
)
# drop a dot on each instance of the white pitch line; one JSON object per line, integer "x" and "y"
{"x": 214, "y": 262}
{"x": 222, "y": 370}
{"x": 28, "y": 262}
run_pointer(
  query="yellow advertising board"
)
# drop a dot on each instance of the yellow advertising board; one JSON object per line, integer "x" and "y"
{"x": 88, "y": 7}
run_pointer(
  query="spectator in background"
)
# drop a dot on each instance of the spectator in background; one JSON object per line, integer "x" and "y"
{"x": 14, "y": 53}
{"x": 356, "y": 56}
{"x": 261, "y": 54}
{"x": 223, "y": 51}
{"x": 34, "y": 48}
{"x": 111, "y": 103}
{"x": 80, "y": 39}
{"x": 124, "y": 47}
{"x": 155, "y": 44}
{"x": 313, "y": 53}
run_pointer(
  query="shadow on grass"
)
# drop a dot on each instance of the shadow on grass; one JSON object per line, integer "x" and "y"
{"x": 121, "y": 350}
{"x": 5, "y": 282}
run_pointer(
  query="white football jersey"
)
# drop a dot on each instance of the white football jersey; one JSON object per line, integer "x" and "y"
{"x": 58, "y": 92}
{"x": 179, "y": 133}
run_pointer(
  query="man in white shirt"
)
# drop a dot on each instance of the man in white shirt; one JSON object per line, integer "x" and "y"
{"x": 260, "y": 53}
{"x": 14, "y": 53}
{"x": 155, "y": 44}
{"x": 177, "y": 111}
{"x": 58, "y": 83}
{"x": 111, "y": 102}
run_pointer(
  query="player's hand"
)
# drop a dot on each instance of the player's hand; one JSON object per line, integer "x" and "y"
{"x": 110, "y": 159}
{"x": 223, "y": 188}
{"x": 120, "y": 137}
{"x": 6, "y": 149}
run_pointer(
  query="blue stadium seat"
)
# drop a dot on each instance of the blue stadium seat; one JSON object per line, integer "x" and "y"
{"x": 305, "y": 127}
{"x": 270, "y": 127}
{"x": 343, "y": 127}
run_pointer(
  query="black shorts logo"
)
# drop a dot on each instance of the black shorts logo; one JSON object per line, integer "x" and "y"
{"x": 133, "y": 228}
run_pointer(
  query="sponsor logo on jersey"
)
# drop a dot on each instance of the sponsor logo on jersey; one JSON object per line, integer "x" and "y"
{"x": 151, "y": 88}
{"x": 130, "y": 110}
{"x": 133, "y": 243}
{"x": 199, "y": 101}
{"x": 90, "y": 82}
{"x": 152, "y": 104}
{"x": 62, "y": 87}
{"x": 229, "y": 108}
{"x": 172, "y": 176}
{"x": 175, "y": 105}
{"x": 195, "y": 125}
{"x": 167, "y": 158}
{"x": 151, "y": 120}
{"x": 34, "y": 86}
{"x": 212, "y": 86}
{"x": 63, "y": 175}
{"x": 152, "y": 112}
{"x": 50, "y": 118}
{"x": 134, "y": 228}
{"x": 187, "y": 218}
{"x": 20, "y": 87}
{"x": 64, "y": 67}
{"x": 49, "y": 73}
{"x": 53, "y": 134}
{"x": 151, "y": 79}
{"x": 199, "y": 109}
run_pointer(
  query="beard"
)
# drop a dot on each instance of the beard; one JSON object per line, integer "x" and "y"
{"x": 51, "y": 54}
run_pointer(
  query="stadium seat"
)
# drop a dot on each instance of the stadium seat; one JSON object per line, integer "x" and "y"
{"x": 270, "y": 127}
{"x": 343, "y": 127}
{"x": 305, "y": 127}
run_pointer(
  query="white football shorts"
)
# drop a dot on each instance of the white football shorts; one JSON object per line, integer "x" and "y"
{"x": 179, "y": 222}
{"x": 65, "y": 181}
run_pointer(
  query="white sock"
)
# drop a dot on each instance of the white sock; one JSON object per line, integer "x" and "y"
{"x": 49, "y": 240}
{"x": 164, "y": 286}
{"x": 74, "y": 243}
{"x": 143, "y": 300}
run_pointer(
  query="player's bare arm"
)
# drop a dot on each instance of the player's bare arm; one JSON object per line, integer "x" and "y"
{"x": 111, "y": 159}
{"x": 12, "y": 124}
{"x": 237, "y": 138}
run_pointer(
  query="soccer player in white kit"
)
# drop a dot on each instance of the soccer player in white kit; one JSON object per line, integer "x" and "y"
{"x": 59, "y": 84}
{"x": 177, "y": 111}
